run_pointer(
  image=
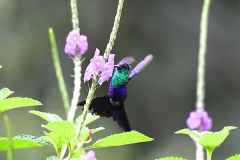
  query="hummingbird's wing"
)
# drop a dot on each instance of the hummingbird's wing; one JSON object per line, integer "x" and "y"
{"x": 100, "y": 106}
{"x": 128, "y": 60}
{"x": 120, "y": 116}
{"x": 141, "y": 65}
{"x": 103, "y": 107}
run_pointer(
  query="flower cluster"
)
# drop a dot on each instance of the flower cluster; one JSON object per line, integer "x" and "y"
{"x": 99, "y": 65}
{"x": 75, "y": 42}
{"x": 90, "y": 155}
{"x": 199, "y": 118}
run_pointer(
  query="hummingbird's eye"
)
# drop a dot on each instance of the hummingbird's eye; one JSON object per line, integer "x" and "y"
{"x": 126, "y": 66}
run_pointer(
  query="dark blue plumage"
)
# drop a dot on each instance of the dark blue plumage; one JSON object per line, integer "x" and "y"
{"x": 112, "y": 105}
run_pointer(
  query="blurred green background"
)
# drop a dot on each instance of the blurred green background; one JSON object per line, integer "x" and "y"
{"x": 160, "y": 97}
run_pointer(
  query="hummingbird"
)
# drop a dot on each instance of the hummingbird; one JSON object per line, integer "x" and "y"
{"x": 112, "y": 105}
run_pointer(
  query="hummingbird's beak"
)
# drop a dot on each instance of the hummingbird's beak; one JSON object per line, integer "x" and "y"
{"x": 117, "y": 66}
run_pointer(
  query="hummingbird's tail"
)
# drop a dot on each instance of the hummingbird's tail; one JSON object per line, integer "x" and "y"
{"x": 103, "y": 107}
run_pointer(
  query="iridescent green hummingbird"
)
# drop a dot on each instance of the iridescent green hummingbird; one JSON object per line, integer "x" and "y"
{"x": 112, "y": 105}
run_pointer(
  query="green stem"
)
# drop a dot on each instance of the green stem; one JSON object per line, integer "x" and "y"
{"x": 201, "y": 68}
{"x": 209, "y": 154}
{"x": 58, "y": 71}
{"x": 108, "y": 49}
{"x": 88, "y": 102}
{"x": 77, "y": 86}
{"x": 10, "y": 151}
{"x": 202, "y": 56}
{"x": 113, "y": 34}
{"x": 75, "y": 21}
{"x": 77, "y": 65}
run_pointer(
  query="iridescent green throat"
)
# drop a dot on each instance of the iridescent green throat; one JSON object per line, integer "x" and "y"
{"x": 120, "y": 77}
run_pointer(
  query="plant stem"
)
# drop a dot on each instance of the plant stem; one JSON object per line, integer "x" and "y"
{"x": 202, "y": 56}
{"x": 199, "y": 151}
{"x": 10, "y": 151}
{"x": 77, "y": 65}
{"x": 75, "y": 21}
{"x": 88, "y": 101}
{"x": 209, "y": 154}
{"x": 58, "y": 71}
{"x": 77, "y": 86}
{"x": 108, "y": 49}
{"x": 201, "y": 68}
{"x": 113, "y": 34}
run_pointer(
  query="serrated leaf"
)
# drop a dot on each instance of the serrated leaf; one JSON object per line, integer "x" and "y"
{"x": 23, "y": 141}
{"x": 58, "y": 142}
{"x": 52, "y": 158}
{"x": 89, "y": 119}
{"x": 209, "y": 140}
{"x": 188, "y": 132}
{"x": 121, "y": 139}
{"x": 4, "y": 93}
{"x": 193, "y": 134}
{"x": 228, "y": 128}
{"x": 212, "y": 140}
{"x": 236, "y": 157}
{"x": 17, "y": 102}
{"x": 171, "y": 158}
{"x": 49, "y": 117}
{"x": 34, "y": 139}
{"x": 64, "y": 129}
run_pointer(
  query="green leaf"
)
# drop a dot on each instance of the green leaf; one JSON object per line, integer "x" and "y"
{"x": 17, "y": 102}
{"x": 23, "y": 141}
{"x": 228, "y": 128}
{"x": 211, "y": 140}
{"x": 47, "y": 116}
{"x": 120, "y": 139}
{"x": 193, "y": 134}
{"x": 34, "y": 139}
{"x": 236, "y": 157}
{"x": 62, "y": 133}
{"x": 89, "y": 119}
{"x": 58, "y": 142}
{"x": 188, "y": 132}
{"x": 52, "y": 158}
{"x": 171, "y": 158}
{"x": 64, "y": 128}
{"x": 4, "y": 93}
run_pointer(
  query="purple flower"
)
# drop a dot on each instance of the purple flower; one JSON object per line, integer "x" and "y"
{"x": 107, "y": 70}
{"x": 98, "y": 61}
{"x": 199, "y": 118}
{"x": 74, "y": 40}
{"x": 95, "y": 66}
{"x": 90, "y": 155}
{"x": 90, "y": 73}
